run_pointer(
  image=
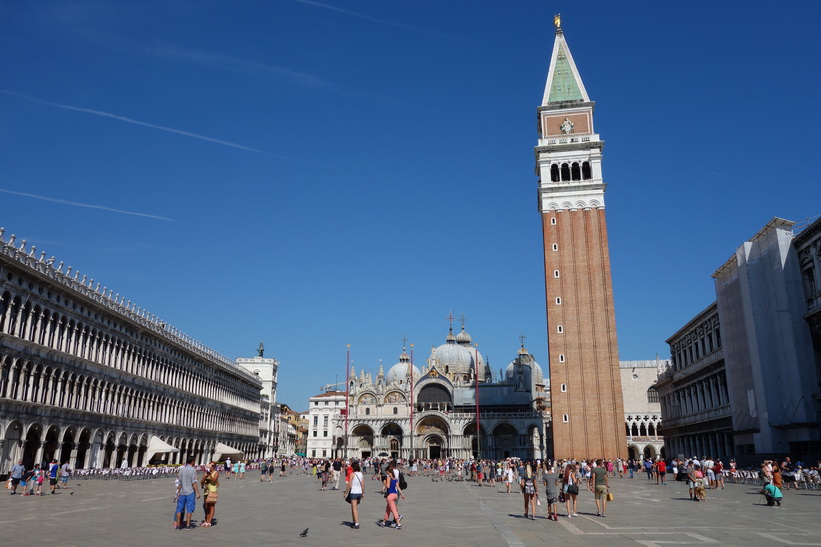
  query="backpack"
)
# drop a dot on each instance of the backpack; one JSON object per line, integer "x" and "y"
{"x": 402, "y": 482}
{"x": 529, "y": 487}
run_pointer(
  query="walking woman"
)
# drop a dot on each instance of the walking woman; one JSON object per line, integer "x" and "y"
{"x": 570, "y": 488}
{"x": 354, "y": 494}
{"x": 210, "y": 482}
{"x": 529, "y": 491}
{"x": 392, "y": 493}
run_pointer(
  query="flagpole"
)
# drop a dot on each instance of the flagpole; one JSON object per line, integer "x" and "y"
{"x": 347, "y": 394}
{"x": 411, "y": 403}
{"x": 478, "y": 426}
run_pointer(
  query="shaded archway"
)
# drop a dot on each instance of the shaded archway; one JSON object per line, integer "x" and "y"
{"x": 51, "y": 444}
{"x": 67, "y": 445}
{"x": 392, "y": 439}
{"x": 12, "y": 448}
{"x": 473, "y": 442}
{"x": 83, "y": 444}
{"x": 504, "y": 441}
{"x": 362, "y": 440}
{"x": 110, "y": 447}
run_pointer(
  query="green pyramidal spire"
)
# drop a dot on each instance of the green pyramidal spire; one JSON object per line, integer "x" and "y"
{"x": 563, "y": 80}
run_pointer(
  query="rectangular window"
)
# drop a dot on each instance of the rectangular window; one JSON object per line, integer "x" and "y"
{"x": 564, "y": 388}
{"x": 316, "y": 421}
{"x": 324, "y": 433}
{"x": 313, "y": 453}
{"x": 315, "y": 433}
{"x": 325, "y": 421}
{"x": 324, "y": 453}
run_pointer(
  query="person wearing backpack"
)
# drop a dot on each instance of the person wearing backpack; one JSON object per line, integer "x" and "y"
{"x": 529, "y": 491}
{"x": 392, "y": 493}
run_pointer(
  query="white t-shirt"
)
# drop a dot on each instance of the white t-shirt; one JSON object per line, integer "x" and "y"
{"x": 356, "y": 482}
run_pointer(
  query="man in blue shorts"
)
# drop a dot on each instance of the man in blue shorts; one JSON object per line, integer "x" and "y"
{"x": 188, "y": 493}
{"x": 53, "y": 468}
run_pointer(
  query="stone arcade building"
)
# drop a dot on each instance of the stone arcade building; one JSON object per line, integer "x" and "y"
{"x": 87, "y": 377}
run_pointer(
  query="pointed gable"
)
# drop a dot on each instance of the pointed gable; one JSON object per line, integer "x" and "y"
{"x": 563, "y": 80}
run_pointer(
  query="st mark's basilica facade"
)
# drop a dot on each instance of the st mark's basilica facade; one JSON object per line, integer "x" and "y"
{"x": 432, "y": 412}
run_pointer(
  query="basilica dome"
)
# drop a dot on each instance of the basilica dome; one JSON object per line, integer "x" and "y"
{"x": 525, "y": 359}
{"x": 451, "y": 358}
{"x": 400, "y": 371}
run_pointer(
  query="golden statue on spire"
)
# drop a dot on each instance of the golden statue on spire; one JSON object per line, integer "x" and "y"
{"x": 557, "y": 21}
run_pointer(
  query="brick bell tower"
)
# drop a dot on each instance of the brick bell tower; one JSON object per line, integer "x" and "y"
{"x": 585, "y": 382}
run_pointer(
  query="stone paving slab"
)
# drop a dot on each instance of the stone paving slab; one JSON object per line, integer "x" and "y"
{"x": 444, "y": 513}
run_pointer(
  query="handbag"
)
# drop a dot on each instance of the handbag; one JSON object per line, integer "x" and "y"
{"x": 348, "y": 493}
{"x": 212, "y": 497}
{"x": 610, "y": 496}
{"x": 573, "y": 489}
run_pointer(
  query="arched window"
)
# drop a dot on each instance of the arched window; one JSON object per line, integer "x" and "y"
{"x": 554, "y": 173}
{"x": 586, "y": 174}
{"x": 576, "y": 172}
{"x": 395, "y": 410}
{"x": 367, "y": 412}
{"x": 652, "y": 395}
{"x": 565, "y": 171}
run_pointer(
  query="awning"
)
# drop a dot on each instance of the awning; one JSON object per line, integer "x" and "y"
{"x": 223, "y": 450}
{"x": 158, "y": 446}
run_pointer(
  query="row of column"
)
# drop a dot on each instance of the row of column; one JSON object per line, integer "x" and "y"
{"x": 700, "y": 396}
{"x": 29, "y": 383}
{"x": 83, "y": 341}
{"x": 716, "y": 444}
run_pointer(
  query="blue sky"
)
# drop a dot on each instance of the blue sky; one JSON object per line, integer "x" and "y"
{"x": 316, "y": 174}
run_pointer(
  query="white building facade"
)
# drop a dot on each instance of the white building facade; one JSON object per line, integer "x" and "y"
{"x": 266, "y": 369}
{"x": 642, "y": 407}
{"x": 91, "y": 379}
{"x": 325, "y": 411}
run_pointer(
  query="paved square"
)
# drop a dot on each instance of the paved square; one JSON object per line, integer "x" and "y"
{"x": 95, "y": 512}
